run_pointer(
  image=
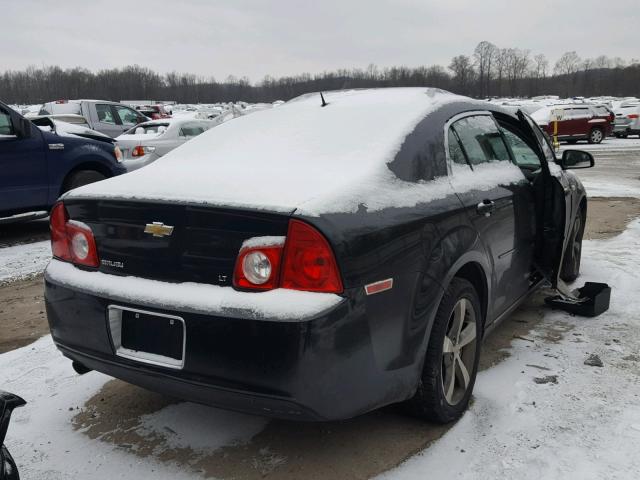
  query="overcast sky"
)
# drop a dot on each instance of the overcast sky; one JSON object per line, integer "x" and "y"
{"x": 281, "y": 37}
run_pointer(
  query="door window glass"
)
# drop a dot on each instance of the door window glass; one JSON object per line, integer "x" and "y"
{"x": 481, "y": 139}
{"x": 524, "y": 156}
{"x": 128, "y": 117}
{"x": 105, "y": 115}
{"x": 6, "y": 127}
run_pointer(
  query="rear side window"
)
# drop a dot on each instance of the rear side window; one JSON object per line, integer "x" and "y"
{"x": 578, "y": 113}
{"x": 481, "y": 140}
{"x": 105, "y": 115}
{"x": 191, "y": 130}
{"x": 6, "y": 127}
{"x": 601, "y": 111}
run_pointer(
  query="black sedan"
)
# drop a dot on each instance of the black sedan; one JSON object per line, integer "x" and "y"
{"x": 320, "y": 259}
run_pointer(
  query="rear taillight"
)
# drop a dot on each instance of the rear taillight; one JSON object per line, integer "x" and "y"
{"x": 258, "y": 268}
{"x": 309, "y": 263}
{"x": 304, "y": 262}
{"x": 72, "y": 241}
{"x": 633, "y": 116}
{"x": 58, "y": 225}
{"x": 141, "y": 151}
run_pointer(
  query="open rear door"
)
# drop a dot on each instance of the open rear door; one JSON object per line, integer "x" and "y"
{"x": 554, "y": 207}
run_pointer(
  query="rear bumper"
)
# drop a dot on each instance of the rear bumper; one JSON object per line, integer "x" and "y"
{"x": 337, "y": 364}
{"x": 132, "y": 164}
{"x": 625, "y": 128}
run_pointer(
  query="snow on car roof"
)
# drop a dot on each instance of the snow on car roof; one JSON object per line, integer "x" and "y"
{"x": 297, "y": 155}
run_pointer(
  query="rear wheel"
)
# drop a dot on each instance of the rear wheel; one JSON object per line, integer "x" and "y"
{"x": 573, "y": 255}
{"x": 596, "y": 136}
{"x": 451, "y": 361}
{"x": 80, "y": 178}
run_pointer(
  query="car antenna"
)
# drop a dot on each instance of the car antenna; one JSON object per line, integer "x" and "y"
{"x": 324, "y": 104}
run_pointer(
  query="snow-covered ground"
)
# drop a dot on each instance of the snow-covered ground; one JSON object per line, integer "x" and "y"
{"x": 585, "y": 426}
{"x": 22, "y": 261}
{"x": 610, "y": 144}
{"x": 46, "y": 446}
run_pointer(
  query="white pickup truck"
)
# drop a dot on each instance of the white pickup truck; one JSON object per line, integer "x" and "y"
{"x": 110, "y": 118}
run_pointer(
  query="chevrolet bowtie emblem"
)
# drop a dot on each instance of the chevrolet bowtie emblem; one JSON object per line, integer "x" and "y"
{"x": 158, "y": 229}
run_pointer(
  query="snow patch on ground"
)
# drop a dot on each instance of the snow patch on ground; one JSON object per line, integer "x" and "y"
{"x": 46, "y": 447}
{"x": 609, "y": 144}
{"x": 23, "y": 261}
{"x": 580, "y": 428}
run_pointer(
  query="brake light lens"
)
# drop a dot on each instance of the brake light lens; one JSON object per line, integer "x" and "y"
{"x": 72, "y": 241}
{"x": 633, "y": 116}
{"x": 305, "y": 262}
{"x": 309, "y": 263}
{"x": 140, "y": 151}
{"x": 117, "y": 153}
{"x": 58, "y": 226}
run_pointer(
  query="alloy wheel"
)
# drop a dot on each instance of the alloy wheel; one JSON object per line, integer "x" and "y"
{"x": 596, "y": 136}
{"x": 458, "y": 351}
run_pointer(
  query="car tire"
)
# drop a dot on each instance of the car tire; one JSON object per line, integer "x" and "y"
{"x": 451, "y": 361}
{"x": 80, "y": 178}
{"x": 596, "y": 135}
{"x": 573, "y": 255}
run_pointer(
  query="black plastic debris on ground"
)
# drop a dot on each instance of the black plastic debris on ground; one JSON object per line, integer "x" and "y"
{"x": 588, "y": 301}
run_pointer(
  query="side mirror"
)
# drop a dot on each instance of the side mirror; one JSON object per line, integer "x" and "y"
{"x": 575, "y": 159}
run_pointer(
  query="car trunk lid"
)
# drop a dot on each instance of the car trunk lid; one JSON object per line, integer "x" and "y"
{"x": 172, "y": 242}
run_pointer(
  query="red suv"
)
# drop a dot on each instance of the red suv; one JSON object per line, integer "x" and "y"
{"x": 576, "y": 122}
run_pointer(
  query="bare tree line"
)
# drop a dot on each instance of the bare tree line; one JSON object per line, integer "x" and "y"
{"x": 489, "y": 71}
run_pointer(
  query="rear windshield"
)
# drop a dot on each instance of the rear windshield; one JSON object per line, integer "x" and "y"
{"x": 147, "y": 129}
{"x": 601, "y": 110}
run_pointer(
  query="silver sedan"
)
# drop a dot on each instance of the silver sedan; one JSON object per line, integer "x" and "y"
{"x": 148, "y": 141}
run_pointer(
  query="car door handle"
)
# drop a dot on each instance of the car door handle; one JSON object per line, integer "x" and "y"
{"x": 485, "y": 207}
